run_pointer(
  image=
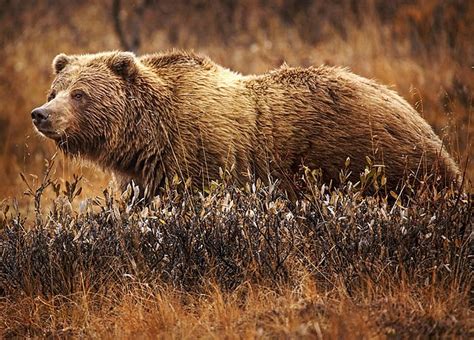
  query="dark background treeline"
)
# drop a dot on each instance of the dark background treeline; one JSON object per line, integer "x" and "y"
{"x": 423, "y": 48}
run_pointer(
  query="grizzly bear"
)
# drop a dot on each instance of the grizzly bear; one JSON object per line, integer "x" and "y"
{"x": 156, "y": 116}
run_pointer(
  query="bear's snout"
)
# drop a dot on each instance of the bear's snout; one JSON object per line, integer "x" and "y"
{"x": 41, "y": 119}
{"x": 39, "y": 116}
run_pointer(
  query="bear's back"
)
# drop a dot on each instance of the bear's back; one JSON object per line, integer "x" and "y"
{"x": 178, "y": 60}
{"x": 326, "y": 114}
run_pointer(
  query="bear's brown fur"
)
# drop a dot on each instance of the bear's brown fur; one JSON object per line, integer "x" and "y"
{"x": 154, "y": 116}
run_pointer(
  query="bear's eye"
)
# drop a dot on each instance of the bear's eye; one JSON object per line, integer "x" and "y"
{"x": 77, "y": 95}
{"x": 51, "y": 96}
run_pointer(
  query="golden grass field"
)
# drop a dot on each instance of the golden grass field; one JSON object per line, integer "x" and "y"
{"x": 348, "y": 268}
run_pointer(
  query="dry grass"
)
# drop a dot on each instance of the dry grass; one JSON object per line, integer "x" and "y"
{"x": 237, "y": 262}
{"x": 248, "y": 312}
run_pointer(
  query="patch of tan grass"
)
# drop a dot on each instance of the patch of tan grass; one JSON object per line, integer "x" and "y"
{"x": 250, "y": 311}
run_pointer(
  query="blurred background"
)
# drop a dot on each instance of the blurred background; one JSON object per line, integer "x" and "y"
{"x": 423, "y": 49}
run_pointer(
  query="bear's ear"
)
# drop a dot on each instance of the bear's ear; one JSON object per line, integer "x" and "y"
{"x": 60, "y": 62}
{"x": 124, "y": 65}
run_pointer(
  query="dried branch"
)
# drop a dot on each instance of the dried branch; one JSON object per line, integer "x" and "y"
{"x": 133, "y": 41}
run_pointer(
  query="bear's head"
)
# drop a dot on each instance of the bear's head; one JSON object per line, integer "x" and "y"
{"x": 87, "y": 101}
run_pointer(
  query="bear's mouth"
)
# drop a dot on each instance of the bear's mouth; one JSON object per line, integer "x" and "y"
{"x": 49, "y": 133}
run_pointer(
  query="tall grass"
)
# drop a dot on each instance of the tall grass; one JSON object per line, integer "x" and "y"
{"x": 238, "y": 260}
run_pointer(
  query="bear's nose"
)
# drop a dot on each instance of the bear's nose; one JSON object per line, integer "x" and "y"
{"x": 39, "y": 115}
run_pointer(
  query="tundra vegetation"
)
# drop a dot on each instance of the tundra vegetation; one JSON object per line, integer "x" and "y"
{"x": 78, "y": 258}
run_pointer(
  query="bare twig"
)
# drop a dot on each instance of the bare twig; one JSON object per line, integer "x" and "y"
{"x": 131, "y": 42}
